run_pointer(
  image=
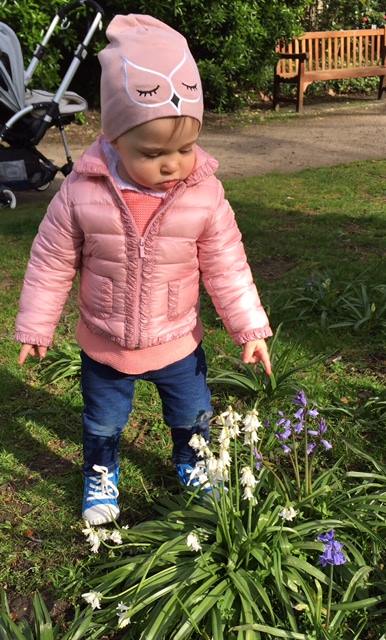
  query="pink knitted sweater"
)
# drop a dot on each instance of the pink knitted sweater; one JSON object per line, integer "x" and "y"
{"x": 142, "y": 206}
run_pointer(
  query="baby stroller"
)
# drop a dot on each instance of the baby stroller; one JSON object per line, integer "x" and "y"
{"x": 26, "y": 115}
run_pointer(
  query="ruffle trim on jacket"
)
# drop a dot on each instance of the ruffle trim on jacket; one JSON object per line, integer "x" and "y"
{"x": 151, "y": 342}
{"x": 253, "y": 334}
{"x": 202, "y": 171}
{"x": 29, "y": 338}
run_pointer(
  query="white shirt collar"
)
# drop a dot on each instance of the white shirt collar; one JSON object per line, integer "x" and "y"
{"x": 112, "y": 159}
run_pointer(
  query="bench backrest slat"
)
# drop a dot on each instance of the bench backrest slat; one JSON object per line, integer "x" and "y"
{"x": 328, "y": 50}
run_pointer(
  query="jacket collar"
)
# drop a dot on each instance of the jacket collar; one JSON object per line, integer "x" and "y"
{"x": 92, "y": 163}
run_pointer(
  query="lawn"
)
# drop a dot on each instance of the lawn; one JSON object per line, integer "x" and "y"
{"x": 316, "y": 245}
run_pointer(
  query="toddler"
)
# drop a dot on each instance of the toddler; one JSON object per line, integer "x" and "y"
{"x": 142, "y": 217}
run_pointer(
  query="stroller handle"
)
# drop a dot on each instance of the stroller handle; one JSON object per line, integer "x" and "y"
{"x": 75, "y": 5}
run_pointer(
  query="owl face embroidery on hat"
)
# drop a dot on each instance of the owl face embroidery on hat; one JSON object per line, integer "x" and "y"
{"x": 150, "y": 88}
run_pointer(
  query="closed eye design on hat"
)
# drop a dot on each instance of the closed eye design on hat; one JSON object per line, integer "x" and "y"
{"x": 149, "y": 92}
{"x": 150, "y": 88}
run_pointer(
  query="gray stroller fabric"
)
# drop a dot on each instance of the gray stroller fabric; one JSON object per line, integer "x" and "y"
{"x": 12, "y": 90}
{"x": 12, "y": 93}
{"x": 70, "y": 102}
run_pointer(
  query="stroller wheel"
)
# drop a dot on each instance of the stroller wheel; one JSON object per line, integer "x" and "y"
{"x": 43, "y": 187}
{"x": 7, "y": 199}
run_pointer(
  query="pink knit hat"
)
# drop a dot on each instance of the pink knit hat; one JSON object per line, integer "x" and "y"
{"x": 148, "y": 72}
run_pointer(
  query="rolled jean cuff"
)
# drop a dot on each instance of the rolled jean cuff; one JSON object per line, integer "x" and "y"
{"x": 181, "y": 436}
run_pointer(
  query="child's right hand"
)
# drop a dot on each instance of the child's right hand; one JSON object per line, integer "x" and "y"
{"x": 34, "y": 350}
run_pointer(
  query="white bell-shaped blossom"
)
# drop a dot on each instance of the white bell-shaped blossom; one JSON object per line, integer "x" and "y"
{"x": 225, "y": 457}
{"x": 193, "y": 542}
{"x": 200, "y": 446}
{"x": 199, "y": 472}
{"x": 251, "y": 425}
{"x": 249, "y": 483}
{"x": 230, "y": 419}
{"x": 116, "y": 537}
{"x": 123, "y": 619}
{"x": 93, "y": 598}
{"x": 288, "y": 513}
{"x": 224, "y": 438}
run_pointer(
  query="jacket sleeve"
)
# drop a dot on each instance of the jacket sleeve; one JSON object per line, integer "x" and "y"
{"x": 227, "y": 276}
{"x": 54, "y": 260}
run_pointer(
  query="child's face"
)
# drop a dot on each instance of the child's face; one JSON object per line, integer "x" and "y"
{"x": 158, "y": 153}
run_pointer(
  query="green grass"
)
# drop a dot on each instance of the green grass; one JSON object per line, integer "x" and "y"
{"x": 328, "y": 220}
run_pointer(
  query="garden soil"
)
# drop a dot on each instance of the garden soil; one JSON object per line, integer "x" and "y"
{"x": 330, "y": 132}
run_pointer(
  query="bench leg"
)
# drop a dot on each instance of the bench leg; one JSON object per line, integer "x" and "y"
{"x": 276, "y": 92}
{"x": 300, "y": 97}
{"x": 300, "y": 88}
{"x": 381, "y": 87}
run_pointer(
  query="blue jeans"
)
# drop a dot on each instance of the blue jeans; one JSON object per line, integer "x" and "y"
{"x": 108, "y": 397}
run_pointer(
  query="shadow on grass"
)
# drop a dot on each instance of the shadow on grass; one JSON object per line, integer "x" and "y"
{"x": 43, "y": 433}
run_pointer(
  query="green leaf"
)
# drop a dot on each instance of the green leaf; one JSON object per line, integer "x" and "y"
{"x": 306, "y": 567}
{"x": 43, "y": 623}
{"x": 348, "y": 595}
{"x": 365, "y": 603}
{"x": 257, "y": 591}
{"x": 200, "y": 611}
{"x": 361, "y": 526}
{"x": 216, "y": 624}
{"x": 273, "y": 631}
{"x": 242, "y": 587}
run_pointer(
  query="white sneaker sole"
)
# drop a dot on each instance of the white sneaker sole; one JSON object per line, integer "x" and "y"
{"x": 101, "y": 514}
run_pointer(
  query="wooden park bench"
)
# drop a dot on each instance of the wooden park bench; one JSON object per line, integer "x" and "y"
{"x": 330, "y": 55}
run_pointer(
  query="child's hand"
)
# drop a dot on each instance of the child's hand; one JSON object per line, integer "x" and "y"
{"x": 34, "y": 350}
{"x": 257, "y": 351}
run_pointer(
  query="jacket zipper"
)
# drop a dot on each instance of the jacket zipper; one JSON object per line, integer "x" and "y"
{"x": 141, "y": 247}
{"x": 141, "y": 252}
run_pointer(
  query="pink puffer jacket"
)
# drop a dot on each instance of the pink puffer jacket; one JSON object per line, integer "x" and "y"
{"x": 138, "y": 291}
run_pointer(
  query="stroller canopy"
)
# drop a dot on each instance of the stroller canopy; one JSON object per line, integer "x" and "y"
{"x": 13, "y": 93}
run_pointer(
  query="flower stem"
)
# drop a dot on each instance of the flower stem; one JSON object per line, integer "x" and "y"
{"x": 237, "y": 480}
{"x": 310, "y": 476}
{"x": 329, "y": 597}
{"x": 250, "y": 505}
{"x": 295, "y": 463}
{"x": 269, "y": 468}
{"x": 306, "y": 460}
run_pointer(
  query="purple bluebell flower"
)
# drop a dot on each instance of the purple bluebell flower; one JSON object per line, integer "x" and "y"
{"x": 283, "y": 422}
{"x": 327, "y": 537}
{"x": 311, "y": 448}
{"x": 284, "y": 435}
{"x": 332, "y": 552}
{"x": 333, "y": 555}
{"x": 318, "y": 433}
{"x": 301, "y": 399}
{"x": 313, "y": 413}
{"x": 322, "y": 426}
{"x": 298, "y": 427}
{"x": 258, "y": 459}
{"x": 286, "y": 448}
{"x": 299, "y": 414}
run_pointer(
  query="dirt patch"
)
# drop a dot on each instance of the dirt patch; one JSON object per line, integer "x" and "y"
{"x": 272, "y": 268}
{"x": 329, "y": 133}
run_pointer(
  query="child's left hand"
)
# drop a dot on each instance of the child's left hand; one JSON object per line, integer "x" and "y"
{"x": 257, "y": 351}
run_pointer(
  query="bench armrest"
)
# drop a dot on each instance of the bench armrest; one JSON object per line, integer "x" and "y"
{"x": 293, "y": 56}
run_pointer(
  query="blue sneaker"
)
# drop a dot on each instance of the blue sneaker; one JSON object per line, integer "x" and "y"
{"x": 100, "y": 504}
{"x": 188, "y": 477}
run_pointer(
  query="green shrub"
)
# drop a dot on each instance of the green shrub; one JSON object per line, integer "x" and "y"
{"x": 233, "y": 41}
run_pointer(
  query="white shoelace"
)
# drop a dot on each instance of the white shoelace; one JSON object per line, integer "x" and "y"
{"x": 102, "y": 487}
